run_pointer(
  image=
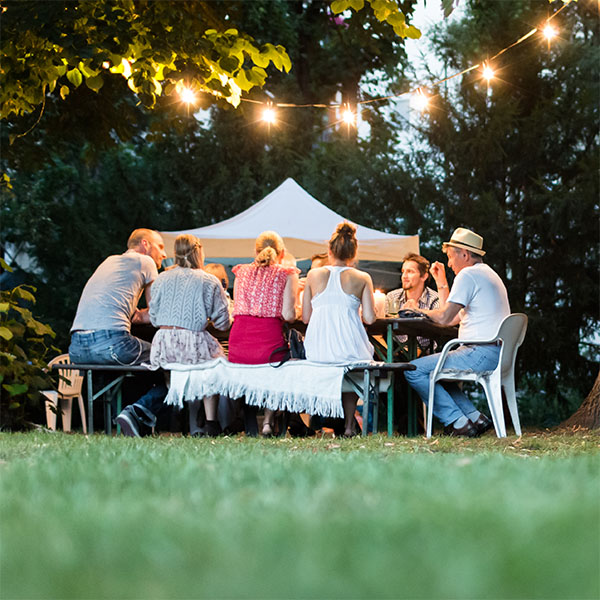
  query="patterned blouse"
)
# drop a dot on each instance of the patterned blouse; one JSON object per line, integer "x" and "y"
{"x": 259, "y": 290}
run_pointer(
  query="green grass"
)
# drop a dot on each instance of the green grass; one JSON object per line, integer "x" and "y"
{"x": 174, "y": 517}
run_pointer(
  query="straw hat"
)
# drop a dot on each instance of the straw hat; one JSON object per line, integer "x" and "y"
{"x": 466, "y": 239}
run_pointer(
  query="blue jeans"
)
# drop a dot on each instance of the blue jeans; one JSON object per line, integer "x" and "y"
{"x": 449, "y": 401}
{"x": 108, "y": 347}
{"x": 148, "y": 406}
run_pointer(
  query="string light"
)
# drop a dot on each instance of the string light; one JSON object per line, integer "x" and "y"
{"x": 549, "y": 32}
{"x": 488, "y": 73}
{"x": 348, "y": 116}
{"x": 419, "y": 101}
{"x": 268, "y": 116}
{"x": 187, "y": 96}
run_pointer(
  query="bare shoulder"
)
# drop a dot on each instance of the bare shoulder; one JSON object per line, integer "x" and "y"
{"x": 317, "y": 275}
{"x": 362, "y": 275}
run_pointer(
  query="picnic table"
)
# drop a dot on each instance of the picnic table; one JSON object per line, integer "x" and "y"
{"x": 384, "y": 336}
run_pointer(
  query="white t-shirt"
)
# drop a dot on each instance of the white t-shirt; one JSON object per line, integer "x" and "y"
{"x": 483, "y": 294}
{"x": 111, "y": 294}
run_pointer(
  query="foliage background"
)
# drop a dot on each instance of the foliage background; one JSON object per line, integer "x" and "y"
{"x": 518, "y": 165}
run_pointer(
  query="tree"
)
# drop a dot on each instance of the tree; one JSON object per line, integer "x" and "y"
{"x": 518, "y": 164}
{"x": 80, "y": 189}
{"x": 158, "y": 47}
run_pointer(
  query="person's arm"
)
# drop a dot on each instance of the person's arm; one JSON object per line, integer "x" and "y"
{"x": 307, "y": 297}
{"x": 142, "y": 315}
{"x": 438, "y": 272}
{"x": 448, "y": 314}
{"x": 368, "y": 301}
{"x": 288, "y": 310}
{"x": 220, "y": 316}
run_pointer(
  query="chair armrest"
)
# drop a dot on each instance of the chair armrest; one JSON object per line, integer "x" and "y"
{"x": 452, "y": 344}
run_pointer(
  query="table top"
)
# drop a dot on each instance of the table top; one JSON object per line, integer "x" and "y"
{"x": 412, "y": 326}
{"x": 401, "y": 326}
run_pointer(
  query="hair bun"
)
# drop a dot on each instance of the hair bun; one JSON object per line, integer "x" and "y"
{"x": 346, "y": 229}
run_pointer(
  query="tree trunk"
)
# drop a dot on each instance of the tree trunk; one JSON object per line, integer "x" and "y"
{"x": 588, "y": 414}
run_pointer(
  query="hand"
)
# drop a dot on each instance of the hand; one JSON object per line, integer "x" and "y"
{"x": 410, "y": 305}
{"x": 438, "y": 272}
{"x": 141, "y": 315}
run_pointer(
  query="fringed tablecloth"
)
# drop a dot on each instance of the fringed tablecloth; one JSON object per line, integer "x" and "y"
{"x": 296, "y": 386}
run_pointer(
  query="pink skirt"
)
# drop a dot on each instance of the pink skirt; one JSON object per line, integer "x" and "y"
{"x": 253, "y": 339}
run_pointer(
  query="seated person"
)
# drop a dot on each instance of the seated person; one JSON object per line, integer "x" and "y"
{"x": 264, "y": 296}
{"x": 184, "y": 299}
{"x": 101, "y": 331}
{"x": 415, "y": 274}
{"x": 480, "y": 295}
{"x": 333, "y": 295}
{"x": 219, "y": 271}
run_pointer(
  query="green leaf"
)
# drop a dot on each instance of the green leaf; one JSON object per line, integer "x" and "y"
{"x": 5, "y": 333}
{"x": 338, "y": 6}
{"x": 75, "y": 77}
{"x": 64, "y": 91}
{"x": 94, "y": 83}
{"x": 4, "y": 306}
{"x": 14, "y": 389}
{"x": 3, "y": 263}
{"x": 21, "y": 292}
{"x": 357, "y": 4}
{"x": 229, "y": 63}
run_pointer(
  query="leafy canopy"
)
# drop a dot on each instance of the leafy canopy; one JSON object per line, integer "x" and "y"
{"x": 158, "y": 47}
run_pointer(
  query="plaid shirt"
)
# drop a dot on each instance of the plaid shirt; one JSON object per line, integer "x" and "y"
{"x": 428, "y": 300}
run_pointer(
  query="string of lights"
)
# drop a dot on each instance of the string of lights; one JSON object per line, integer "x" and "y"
{"x": 419, "y": 98}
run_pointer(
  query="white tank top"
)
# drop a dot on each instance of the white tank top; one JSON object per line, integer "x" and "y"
{"x": 335, "y": 332}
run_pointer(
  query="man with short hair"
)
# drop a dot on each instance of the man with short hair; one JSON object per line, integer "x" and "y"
{"x": 101, "y": 331}
{"x": 478, "y": 302}
{"x": 415, "y": 273}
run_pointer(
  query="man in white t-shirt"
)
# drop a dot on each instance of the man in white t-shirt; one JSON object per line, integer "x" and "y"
{"x": 478, "y": 303}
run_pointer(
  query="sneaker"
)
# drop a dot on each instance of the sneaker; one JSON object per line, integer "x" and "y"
{"x": 128, "y": 423}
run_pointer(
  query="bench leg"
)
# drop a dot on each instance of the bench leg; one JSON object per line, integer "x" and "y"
{"x": 365, "y": 399}
{"x": 90, "y": 389}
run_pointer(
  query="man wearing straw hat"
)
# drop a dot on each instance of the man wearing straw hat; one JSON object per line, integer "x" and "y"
{"x": 478, "y": 302}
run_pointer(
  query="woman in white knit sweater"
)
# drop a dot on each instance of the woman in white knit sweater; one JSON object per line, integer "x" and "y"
{"x": 184, "y": 299}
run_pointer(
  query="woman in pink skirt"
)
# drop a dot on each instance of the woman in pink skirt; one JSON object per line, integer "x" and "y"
{"x": 264, "y": 296}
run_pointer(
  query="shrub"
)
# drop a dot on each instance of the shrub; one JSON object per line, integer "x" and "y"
{"x": 24, "y": 345}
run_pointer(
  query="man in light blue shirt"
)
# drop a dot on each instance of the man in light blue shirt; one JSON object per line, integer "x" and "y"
{"x": 101, "y": 331}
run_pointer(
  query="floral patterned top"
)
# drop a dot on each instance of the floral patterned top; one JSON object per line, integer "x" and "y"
{"x": 259, "y": 290}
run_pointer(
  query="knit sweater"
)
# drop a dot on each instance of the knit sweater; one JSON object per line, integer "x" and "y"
{"x": 188, "y": 298}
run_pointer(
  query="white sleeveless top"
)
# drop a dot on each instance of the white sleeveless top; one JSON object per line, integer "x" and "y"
{"x": 335, "y": 332}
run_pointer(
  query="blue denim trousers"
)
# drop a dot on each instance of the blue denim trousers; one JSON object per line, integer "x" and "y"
{"x": 450, "y": 403}
{"x": 108, "y": 347}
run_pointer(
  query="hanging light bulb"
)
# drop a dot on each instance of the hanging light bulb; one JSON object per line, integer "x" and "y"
{"x": 348, "y": 116}
{"x": 549, "y": 32}
{"x": 488, "y": 73}
{"x": 268, "y": 115}
{"x": 187, "y": 96}
{"x": 419, "y": 101}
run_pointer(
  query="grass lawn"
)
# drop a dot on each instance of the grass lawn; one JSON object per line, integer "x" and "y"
{"x": 174, "y": 517}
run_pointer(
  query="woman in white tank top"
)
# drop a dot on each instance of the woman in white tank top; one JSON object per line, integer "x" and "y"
{"x": 332, "y": 298}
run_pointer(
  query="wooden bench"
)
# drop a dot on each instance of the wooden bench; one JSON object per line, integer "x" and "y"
{"x": 366, "y": 380}
{"x": 116, "y": 374}
{"x": 375, "y": 376}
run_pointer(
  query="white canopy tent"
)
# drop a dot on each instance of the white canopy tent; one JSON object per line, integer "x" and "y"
{"x": 301, "y": 220}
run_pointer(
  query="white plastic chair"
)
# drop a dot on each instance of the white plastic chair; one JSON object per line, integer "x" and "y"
{"x": 510, "y": 335}
{"x": 69, "y": 387}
